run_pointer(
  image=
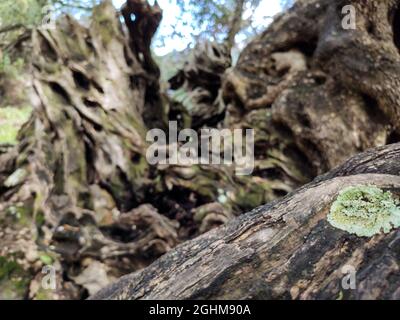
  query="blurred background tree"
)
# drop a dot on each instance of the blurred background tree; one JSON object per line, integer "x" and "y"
{"x": 223, "y": 20}
{"x": 234, "y": 22}
{"x": 19, "y": 15}
{"x": 17, "y": 19}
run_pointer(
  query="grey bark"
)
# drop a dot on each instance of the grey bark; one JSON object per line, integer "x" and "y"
{"x": 283, "y": 250}
{"x": 78, "y": 188}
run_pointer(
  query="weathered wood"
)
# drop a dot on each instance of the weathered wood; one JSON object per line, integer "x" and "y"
{"x": 81, "y": 157}
{"x": 283, "y": 250}
{"x": 87, "y": 197}
{"x": 318, "y": 93}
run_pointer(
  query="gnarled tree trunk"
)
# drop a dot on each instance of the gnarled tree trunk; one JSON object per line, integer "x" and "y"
{"x": 81, "y": 159}
{"x": 318, "y": 93}
{"x": 78, "y": 193}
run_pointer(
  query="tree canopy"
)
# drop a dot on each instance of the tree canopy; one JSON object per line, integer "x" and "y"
{"x": 221, "y": 20}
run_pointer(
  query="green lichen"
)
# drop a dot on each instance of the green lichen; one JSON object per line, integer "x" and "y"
{"x": 365, "y": 211}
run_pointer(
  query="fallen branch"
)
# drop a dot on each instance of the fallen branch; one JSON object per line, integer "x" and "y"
{"x": 283, "y": 250}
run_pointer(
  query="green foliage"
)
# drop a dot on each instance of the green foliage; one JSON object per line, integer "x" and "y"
{"x": 211, "y": 19}
{"x": 31, "y": 12}
{"x": 26, "y": 12}
{"x": 7, "y": 267}
{"x": 11, "y": 120}
{"x": 11, "y": 68}
{"x": 16, "y": 16}
{"x": 365, "y": 211}
{"x": 76, "y": 8}
{"x": 13, "y": 279}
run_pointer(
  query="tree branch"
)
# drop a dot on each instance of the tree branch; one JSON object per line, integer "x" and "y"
{"x": 284, "y": 250}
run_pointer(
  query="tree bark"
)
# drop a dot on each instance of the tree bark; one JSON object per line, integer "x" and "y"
{"x": 81, "y": 157}
{"x": 283, "y": 250}
{"x": 310, "y": 88}
{"x": 318, "y": 93}
{"x": 78, "y": 191}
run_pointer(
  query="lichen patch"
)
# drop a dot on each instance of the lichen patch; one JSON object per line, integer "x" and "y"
{"x": 365, "y": 211}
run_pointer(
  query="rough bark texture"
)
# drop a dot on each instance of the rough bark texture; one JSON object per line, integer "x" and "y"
{"x": 197, "y": 86}
{"x": 78, "y": 193}
{"x": 283, "y": 250}
{"x": 317, "y": 94}
{"x": 312, "y": 87}
{"x": 81, "y": 159}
